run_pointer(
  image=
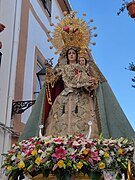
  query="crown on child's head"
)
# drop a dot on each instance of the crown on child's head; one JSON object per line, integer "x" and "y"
{"x": 84, "y": 53}
{"x": 71, "y": 32}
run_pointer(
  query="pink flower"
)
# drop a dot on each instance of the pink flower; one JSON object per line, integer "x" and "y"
{"x": 28, "y": 152}
{"x": 94, "y": 156}
{"x": 73, "y": 157}
{"x": 59, "y": 153}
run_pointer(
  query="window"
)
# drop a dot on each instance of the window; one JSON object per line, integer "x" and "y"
{"x": 39, "y": 66}
{"x": 47, "y": 6}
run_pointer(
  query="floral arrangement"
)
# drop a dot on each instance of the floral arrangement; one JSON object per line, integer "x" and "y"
{"x": 66, "y": 156}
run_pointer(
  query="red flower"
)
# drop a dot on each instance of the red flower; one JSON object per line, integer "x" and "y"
{"x": 38, "y": 142}
{"x": 58, "y": 140}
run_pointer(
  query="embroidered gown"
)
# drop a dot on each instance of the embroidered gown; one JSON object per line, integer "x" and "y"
{"x": 109, "y": 118}
{"x": 74, "y": 107}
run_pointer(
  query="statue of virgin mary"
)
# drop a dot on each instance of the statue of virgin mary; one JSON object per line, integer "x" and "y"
{"x": 76, "y": 95}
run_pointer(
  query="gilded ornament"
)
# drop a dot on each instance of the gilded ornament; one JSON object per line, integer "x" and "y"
{"x": 71, "y": 31}
{"x": 95, "y": 35}
{"x": 84, "y": 14}
{"x": 51, "y": 24}
{"x": 51, "y": 47}
{"x": 65, "y": 13}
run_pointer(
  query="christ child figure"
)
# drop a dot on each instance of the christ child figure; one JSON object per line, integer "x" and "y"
{"x": 83, "y": 77}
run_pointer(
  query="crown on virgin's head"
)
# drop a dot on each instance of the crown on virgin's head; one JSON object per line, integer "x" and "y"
{"x": 71, "y": 31}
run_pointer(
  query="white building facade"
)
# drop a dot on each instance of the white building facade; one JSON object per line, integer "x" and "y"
{"x": 24, "y": 50}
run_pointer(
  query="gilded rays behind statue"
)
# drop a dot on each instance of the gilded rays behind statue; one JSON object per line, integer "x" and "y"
{"x": 71, "y": 32}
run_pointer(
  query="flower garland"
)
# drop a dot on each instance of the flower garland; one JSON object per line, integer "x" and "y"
{"x": 67, "y": 155}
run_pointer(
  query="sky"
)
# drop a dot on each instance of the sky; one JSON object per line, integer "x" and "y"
{"x": 115, "y": 47}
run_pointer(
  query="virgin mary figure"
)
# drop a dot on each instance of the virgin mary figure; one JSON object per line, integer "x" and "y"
{"x": 62, "y": 106}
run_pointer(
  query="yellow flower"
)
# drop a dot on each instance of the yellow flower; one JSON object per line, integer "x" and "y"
{"x": 21, "y": 165}
{"x": 85, "y": 151}
{"x": 38, "y": 161}
{"x": 60, "y": 163}
{"x": 101, "y": 165}
{"x": 106, "y": 155}
{"x": 79, "y": 165}
{"x": 47, "y": 141}
{"x": 19, "y": 156}
{"x": 34, "y": 152}
{"x": 120, "y": 151}
{"x": 9, "y": 168}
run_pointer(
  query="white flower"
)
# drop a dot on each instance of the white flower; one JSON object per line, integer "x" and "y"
{"x": 40, "y": 151}
{"x": 120, "y": 141}
{"x": 49, "y": 149}
{"x": 75, "y": 143}
{"x": 44, "y": 154}
{"x": 101, "y": 152}
{"x": 112, "y": 141}
{"x": 125, "y": 141}
{"x": 112, "y": 153}
{"x": 108, "y": 160}
{"x": 13, "y": 145}
{"x": 130, "y": 148}
{"x": 71, "y": 151}
{"x": 13, "y": 157}
{"x": 22, "y": 154}
{"x": 93, "y": 149}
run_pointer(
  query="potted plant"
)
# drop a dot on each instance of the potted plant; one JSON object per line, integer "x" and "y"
{"x": 130, "y": 6}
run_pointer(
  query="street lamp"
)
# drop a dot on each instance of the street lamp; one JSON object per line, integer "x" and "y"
{"x": 41, "y": 77}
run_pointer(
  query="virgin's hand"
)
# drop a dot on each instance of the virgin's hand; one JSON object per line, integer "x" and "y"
{"x": 92, "y": 82}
